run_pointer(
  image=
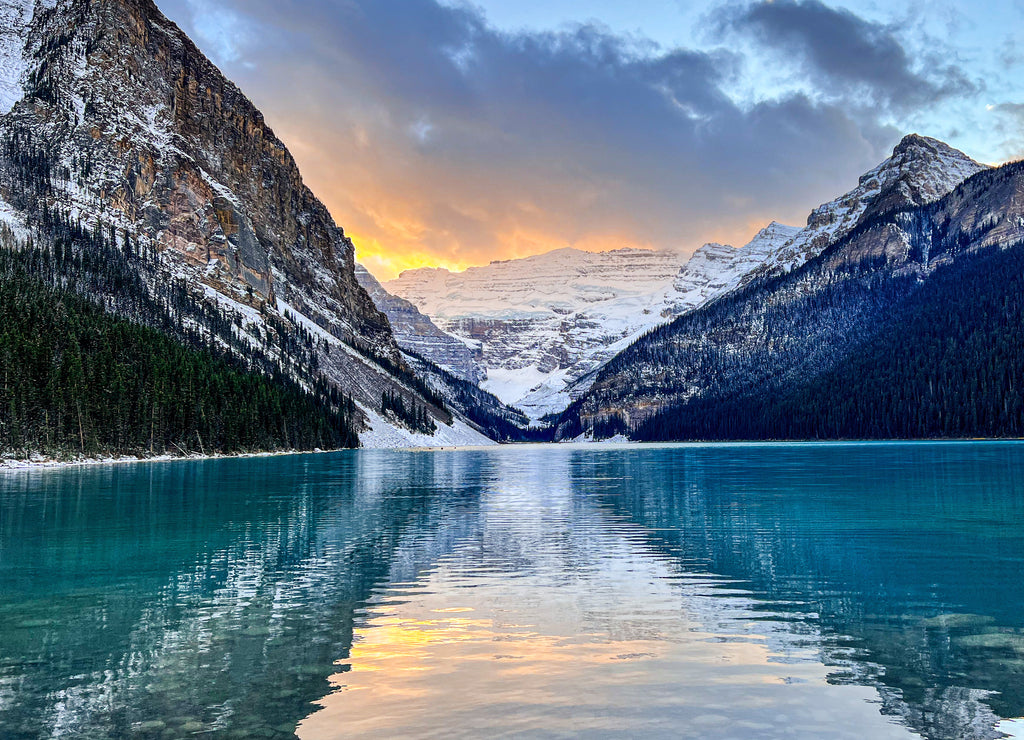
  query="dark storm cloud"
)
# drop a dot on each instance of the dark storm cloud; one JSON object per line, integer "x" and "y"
{"x": 429, "y": 132}
{"x": 859, "y": 56}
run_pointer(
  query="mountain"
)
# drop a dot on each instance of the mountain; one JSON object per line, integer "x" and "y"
{"x": 482, "y": 410}
{"x": 920, "y": 170}
{"x": 905, "y": 326}
{"x": 125, "y": 149}
{"x": 546, "y": 324}
{"x": 542, "y": 321}
{"x": 455, "y": 372}
{"x": 416, "y": 333}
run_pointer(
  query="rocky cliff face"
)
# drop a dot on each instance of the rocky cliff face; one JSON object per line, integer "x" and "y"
{"x": 115, "y": 121}
{"x": 135, "y": 127}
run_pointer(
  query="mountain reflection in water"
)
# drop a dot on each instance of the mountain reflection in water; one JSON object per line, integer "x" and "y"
{"x": 705, "y": 591}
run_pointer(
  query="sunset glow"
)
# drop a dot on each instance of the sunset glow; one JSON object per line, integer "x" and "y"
{"x": 467, "y": 134}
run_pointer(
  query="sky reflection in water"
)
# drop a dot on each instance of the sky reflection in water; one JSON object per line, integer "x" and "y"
{"x": 702, "y": 591}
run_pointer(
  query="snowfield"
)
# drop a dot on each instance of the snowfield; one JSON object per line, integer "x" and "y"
{"x": 383, "y": 434}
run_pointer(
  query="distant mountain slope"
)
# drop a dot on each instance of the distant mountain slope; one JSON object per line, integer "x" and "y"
{"x": 416, "y": 333}
{"x": 761, "y": 349}
{"x": 114, "y": 125}
{"x": 539, "y": 320}
{"x": 482, "y": 410}
{"x": 546, "y": 324}
{"x": 951, "y": 365}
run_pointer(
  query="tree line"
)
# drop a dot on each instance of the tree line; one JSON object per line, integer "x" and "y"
{"x": 75, "y": 380}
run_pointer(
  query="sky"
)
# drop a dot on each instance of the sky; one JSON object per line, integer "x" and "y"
{"x": 447, "y": 133}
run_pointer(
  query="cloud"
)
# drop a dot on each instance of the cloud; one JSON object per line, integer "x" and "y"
{"x": 222, "y": 32}
{"x": 1009, "y": 125}
{"x": 856, "y": 57}
{"x": 436, "y": 139}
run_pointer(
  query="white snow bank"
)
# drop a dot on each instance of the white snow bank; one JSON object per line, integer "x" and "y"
{"x": 15, "y": 17}
{"x": 41, "y": 462}
{"x": 1012, "y": 728}
{"x": 384, "y": 435}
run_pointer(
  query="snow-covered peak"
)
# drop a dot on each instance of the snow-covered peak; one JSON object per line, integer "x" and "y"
{"x": 554, "y": 283}
{"x": 716, "y": 268}
{"x": 769, "y": 238}
{"x": 920, "y": 170}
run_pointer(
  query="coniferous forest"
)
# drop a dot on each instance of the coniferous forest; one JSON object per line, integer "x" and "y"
{"x": 949, "y": 365}
{"x": 78, "y": 381}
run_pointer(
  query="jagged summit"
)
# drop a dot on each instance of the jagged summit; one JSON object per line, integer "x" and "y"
{"x": 920, "y": 170}
{"x": 140, "y": 131}
{"x": 912, "y": 142}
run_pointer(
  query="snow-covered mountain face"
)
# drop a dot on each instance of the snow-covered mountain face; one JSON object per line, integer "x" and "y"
{"x": 15, "y": 18}
{"x": 787, "y": 331}
{"x": 921, "y": 170}
{"x": 545, "y": 324}
{"x": 543, "y": 321}
{"x": 113, "y": 121}
{"x": 416, "y": 333}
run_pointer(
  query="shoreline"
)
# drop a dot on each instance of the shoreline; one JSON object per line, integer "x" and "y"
{"x": 11, "y": 465}
{"x": 42, "y": 462}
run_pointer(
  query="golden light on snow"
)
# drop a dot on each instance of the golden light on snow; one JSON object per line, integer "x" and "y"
{"x": 389, "y": 249}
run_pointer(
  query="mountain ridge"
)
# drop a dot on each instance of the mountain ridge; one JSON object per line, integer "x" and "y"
{"x": 542, "y": 342}
{"x": 780, "y": 333}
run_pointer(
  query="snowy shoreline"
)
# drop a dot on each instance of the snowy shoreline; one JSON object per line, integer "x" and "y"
{"x": 46, "y": 463}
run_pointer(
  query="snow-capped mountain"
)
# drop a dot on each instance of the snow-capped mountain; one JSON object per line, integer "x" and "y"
{"x": 113, "y": 125}
{"x": 542, "y": 321}
{"x": 907, "y": 326}
{"x": 545, "y": 324}
{"x": 921, "y": 170}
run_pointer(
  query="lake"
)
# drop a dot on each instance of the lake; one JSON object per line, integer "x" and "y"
{"x": 706, "y": 591}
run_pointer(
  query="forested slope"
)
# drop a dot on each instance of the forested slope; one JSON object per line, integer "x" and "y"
{"x": 951, "y": 365}
{"x": 907, "y": 327}
{"x": 78, "y": 381}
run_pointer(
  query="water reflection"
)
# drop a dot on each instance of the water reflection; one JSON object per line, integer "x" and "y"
{"x": 549, "y": 615}
{"x": 908, "y": 557}
{"x": 715, "y": 591}
{"x": 169, "y": 599}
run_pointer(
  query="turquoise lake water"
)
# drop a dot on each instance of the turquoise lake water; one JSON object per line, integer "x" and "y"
{"x": 716, "y": 591}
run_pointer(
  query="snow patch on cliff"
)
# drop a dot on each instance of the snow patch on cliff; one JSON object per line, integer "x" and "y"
{"x": 15, "y": 19}
{"x": 15, "y": 16}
